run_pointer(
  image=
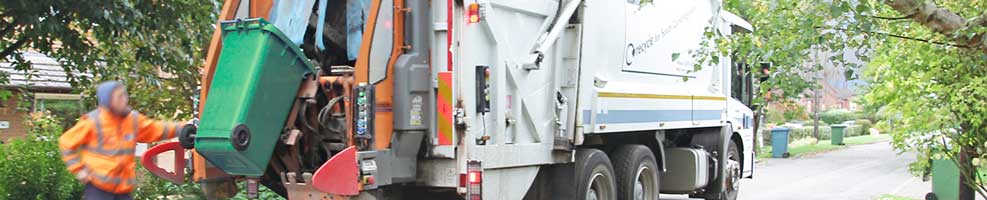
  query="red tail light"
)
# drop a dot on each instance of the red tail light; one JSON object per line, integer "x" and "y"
{"x": 472, "y": 180}
{"x": 475, "y": 177}
{"x": 474, "y": 13}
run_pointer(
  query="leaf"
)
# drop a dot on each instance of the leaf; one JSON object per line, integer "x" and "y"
{"x": 675, "y": 56}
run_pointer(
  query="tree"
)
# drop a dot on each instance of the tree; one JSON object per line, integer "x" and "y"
{"x": 135, "y": 41}
{"x": 926, "y": 66}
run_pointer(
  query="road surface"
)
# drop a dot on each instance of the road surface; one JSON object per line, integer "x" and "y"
{"x": 857, "y": 172}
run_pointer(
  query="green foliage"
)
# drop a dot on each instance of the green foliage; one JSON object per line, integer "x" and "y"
{"x": 836, "y": 116}
{"x": 262, "y": 193}
{"x": 937, "y": 93}
{"x": 31, "y": 167}
{"x": 935, "y": 90}
{"x": 786, "y": 111}
{"x": 825, "y": 132}
{"x": 865, "y": 125}
{"x": 68, "y": 110}
{"x": 153, "y": 188}
{"x": 134, "y": 41}
{"x": 823, "y": 145}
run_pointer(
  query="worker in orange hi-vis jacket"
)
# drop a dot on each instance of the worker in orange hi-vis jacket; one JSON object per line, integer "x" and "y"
{"x": 99, "y": 149}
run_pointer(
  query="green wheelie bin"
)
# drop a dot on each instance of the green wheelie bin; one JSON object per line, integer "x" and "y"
{"x": 837, "y": 134}
{"x": 254, "y": 86}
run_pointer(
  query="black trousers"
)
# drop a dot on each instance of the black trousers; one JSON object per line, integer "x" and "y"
{"x": 94, "y": 193}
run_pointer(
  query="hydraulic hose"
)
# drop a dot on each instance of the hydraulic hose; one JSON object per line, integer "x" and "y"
{"x": 304, "y": 117}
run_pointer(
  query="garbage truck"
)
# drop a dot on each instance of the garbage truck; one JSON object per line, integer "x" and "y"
{"x": 460, "y": 99}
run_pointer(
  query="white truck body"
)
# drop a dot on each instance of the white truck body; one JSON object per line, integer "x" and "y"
{"x": 609, "y": 70}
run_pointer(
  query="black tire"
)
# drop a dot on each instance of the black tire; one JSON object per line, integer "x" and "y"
{"x": 733, "y": 175}
{"x": 931, "y": 196}
{"x": 594, "y": 176}
{"x": 187, "y": 136}
{"x": 637, "y": 173}
{"x": 240, "y": 137}
{"x": 732, "y": 178}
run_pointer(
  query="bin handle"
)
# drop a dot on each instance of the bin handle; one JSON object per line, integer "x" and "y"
{"x": 178, "y": 177}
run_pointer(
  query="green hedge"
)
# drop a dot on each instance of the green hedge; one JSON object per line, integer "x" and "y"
{"x": 31, "y": 167}
{"x": 836, "y": 116}
{"x": 825, "y": 133}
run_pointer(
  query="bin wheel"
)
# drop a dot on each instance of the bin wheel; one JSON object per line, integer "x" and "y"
{"x": 240, "y": 137}
{"x": 786, "y": 155}
{"x": 931, "y": 196}
{"x": 187, "y": 136}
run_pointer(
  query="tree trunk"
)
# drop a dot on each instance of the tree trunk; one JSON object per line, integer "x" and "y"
{"x": 967, "y": 172}
{"x": 941, "y": 20}
{"x": 815, "y": 114}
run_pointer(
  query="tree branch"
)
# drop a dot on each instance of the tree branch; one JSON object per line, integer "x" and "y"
{"x": 6, "y": 27}
{"x": 13, "y": 47}
{"x": 892, "y": 18}
{"x": 941, "y": 20}
{"x": 902, "y": 37}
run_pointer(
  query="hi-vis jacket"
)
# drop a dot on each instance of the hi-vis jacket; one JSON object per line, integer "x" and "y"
{"x": 103, "y": 144}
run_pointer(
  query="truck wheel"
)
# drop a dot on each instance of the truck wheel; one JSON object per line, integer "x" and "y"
{"x": 732, "y": 177}
{"x": 594, "y": 175}
{"x": 734, "y": 173}
{"x": 637, "y": 173}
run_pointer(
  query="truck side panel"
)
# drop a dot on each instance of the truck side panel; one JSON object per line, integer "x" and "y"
{"x": 641, "y": 87}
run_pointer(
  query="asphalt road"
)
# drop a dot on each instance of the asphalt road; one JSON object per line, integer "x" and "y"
{"x": 858, "y": 172}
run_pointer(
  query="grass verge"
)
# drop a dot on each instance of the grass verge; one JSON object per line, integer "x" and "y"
{"x": 893, "y": 197}
{"x": 825, "y": 145}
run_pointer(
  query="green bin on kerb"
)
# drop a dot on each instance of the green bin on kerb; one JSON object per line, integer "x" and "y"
{"x": 945, "y": 180}
{"x": 253, "y": 88}
{"x": 837, "y": 133}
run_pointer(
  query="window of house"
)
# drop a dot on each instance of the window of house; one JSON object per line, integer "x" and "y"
{"x": 67, "y": 107}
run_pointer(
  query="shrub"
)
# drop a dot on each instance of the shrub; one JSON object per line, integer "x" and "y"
{"x": 154, "y": 188}
{"x": 798, "y": 134}
{"x": 775, "y": 117}
{"x": 32, "y": 168}
{"x": 865, "y": 125}
{"x": 836, "y": 116}
{"x": 151, "y": 187}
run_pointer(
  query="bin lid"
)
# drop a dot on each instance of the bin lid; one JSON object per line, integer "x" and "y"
{"x": 263, "y": 25}
{"x": 839, "y": 125}
{"x": 780, "y": 129}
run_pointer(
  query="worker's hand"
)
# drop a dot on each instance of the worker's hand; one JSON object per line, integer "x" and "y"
{"x": 82, "y": 176}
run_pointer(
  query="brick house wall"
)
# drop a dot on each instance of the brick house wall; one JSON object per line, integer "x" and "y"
{"x": 10, "y": 113}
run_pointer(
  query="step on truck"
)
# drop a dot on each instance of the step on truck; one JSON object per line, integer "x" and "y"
{"x": 463, "y": 99}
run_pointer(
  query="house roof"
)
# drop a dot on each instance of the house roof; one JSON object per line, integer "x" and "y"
{"x": 46, "y": 73}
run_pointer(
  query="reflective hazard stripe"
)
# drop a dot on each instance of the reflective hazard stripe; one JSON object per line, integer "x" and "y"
{"x": 131, "y": 135}
{"x": 114, "y": 152}
{"x": 178, "y": 129}
{"x": 99, "y": 147}
{"x": 114, "y": 180}
{"x": 444, "y": 108}
{"x": 70, "y": 152}
{"x": 72, "y": 162}
{"x": 164, "y": 131}
{"x": 94, "y": 115}
{"x": 171, "y": 129}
